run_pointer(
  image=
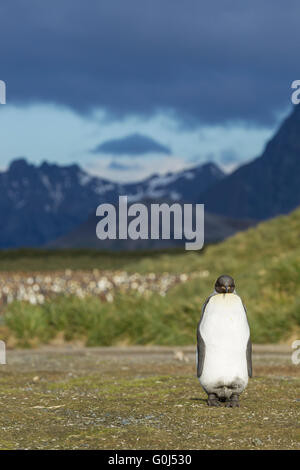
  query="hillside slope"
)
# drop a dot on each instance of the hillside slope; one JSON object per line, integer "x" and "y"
{"x": 217, "y": 228}
{"x": 265, "y": 262}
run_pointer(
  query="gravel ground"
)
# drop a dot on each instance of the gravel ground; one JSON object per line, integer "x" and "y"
{"x": 142, "y": 398}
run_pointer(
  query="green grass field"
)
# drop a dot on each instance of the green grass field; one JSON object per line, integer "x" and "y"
{"x": 265, "y": 262}
{"x": 38, "y": 259}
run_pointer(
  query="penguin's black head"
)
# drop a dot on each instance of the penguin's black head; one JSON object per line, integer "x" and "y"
{"x": 224, "y": 284}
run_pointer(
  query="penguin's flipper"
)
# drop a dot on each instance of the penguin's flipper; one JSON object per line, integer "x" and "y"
{"x": 200, "y": 342}
{"x": 200, "y": 352}
{"x": 248, "y": 350}
{"x": 249, "y": 357}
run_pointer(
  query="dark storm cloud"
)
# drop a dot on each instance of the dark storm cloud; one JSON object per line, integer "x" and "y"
{"x": 204, "y": 61}
{"x": 133, "y": 145}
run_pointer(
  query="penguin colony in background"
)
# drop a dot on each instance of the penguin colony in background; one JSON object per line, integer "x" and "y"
{"x": 224, "y": 351}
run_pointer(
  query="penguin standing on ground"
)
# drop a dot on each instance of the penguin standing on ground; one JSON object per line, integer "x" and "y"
{"x": 224, "y": 352}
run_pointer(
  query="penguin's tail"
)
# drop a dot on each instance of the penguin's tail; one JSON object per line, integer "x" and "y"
{"x": 222, "y": 391}
{"x": 225, "y": 390}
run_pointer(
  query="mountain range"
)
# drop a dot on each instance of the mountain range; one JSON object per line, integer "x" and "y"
{"x": 54, "y": 205}
{"x": 42, "y": 203}
{"x": 267, "y": 186}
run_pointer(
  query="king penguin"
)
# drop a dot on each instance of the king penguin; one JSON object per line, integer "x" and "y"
{"x": 224, "y": 351}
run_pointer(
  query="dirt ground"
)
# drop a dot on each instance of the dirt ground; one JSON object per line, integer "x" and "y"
{"x": 142, "y": 398}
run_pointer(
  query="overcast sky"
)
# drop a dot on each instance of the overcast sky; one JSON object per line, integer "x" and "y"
{"x": 129, "y": 87}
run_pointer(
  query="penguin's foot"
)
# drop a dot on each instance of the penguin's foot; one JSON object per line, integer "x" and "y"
{"x": 233, "y": 401}
{"x": 212, "y": 400}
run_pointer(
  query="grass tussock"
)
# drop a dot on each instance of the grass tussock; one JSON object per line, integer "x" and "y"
{"x": 130, "y": 319}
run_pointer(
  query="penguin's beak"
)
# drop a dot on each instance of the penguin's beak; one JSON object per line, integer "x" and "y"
{"x": 227, "y": 289}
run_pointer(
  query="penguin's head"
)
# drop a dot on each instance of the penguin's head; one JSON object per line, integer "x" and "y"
{"x": 224, "y": 284}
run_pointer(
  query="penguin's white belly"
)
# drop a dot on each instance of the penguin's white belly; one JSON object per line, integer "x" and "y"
{"x": 225, "y": 331}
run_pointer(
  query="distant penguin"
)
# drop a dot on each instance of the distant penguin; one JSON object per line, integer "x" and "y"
{"x": 224, "y": 351}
